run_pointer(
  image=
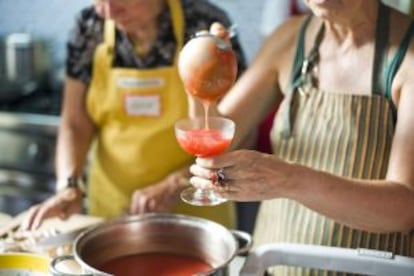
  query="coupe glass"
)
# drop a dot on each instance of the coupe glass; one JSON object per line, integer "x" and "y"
{"x": 204, "y": 137}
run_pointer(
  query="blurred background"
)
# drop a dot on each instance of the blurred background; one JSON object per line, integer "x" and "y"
{"x": 31, "y": 85}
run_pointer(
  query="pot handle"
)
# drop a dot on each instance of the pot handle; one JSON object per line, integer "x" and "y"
{"x": 56, "y": 261}
{"x": 361, "y": 261}
{"x": 244, "y": 241}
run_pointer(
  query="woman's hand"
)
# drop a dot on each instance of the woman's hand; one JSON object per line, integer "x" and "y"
{"x": 159, "y": 197}
{"x": 62, "y": 205}
{"x": 242, "y": 175}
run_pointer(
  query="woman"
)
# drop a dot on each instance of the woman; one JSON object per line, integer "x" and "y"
{"x": 123, "y": 90}
{"x": 343, "y": 138}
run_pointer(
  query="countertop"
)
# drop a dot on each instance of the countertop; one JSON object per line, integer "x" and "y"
{"x": 81, "y": 221}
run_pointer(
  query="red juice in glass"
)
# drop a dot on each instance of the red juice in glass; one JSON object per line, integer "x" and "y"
{"x": 204, "y": 142}
{"x": 196, "y": 138}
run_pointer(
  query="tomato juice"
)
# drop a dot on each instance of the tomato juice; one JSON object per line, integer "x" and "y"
{"x": 155, "y": 264}
{"x": 204, "y": 142}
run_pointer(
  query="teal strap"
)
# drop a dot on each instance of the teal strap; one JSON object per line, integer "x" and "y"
{"x": 395, "y": 65}
{"x": 397, "y": 60}
{"x": 294, "y": 76}
{"x": 301, "y": 73}
{"x": 381, "y": 49}
{"x": 300, "y": 52}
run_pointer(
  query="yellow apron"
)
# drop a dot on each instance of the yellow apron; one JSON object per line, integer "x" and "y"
{"x": 135, "y": 111}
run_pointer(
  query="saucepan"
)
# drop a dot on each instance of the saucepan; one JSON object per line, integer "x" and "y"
{"x": 23, "y": 264}
{"x": 156, "y": 243}
{"x": 24, "y": 66}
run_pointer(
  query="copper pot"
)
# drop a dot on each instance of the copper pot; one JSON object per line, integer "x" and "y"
{"x": 157, "y": 233}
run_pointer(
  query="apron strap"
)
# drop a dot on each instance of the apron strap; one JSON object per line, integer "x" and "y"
{"x": 381, "y": 49}
{"x": 398, "y": 58}
{"x": 381, "y": 83}
{"x": 383, "y": 74}
{"x": 178, "y": 22}
{"x": 177, "y": 17}
{"x": 300, "y": 52}
{"x": 301, "y": 73}
{"x": 109, "y": 33}
{"x": 394, "y": 66}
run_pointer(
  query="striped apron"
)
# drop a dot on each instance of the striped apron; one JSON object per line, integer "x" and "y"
{"x": 343, "y": 134}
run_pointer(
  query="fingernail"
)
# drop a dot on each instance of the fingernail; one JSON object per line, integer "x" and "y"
{"x": 193, "y": 168}
{"x": 204, "y": 162}
{"x": 198, "y": 184}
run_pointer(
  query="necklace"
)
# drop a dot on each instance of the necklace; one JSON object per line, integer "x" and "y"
{"x": 143, "y": 41}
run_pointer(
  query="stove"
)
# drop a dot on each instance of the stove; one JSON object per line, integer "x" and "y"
{"x": 45, "y": 102}
{"x": 27, "y": 146}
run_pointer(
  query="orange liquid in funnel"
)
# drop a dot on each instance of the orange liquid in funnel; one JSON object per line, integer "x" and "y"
{"x": 207, "y": 70}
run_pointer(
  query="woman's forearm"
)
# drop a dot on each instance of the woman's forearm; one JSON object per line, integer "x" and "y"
{"x": 372, "y": 205}
{"x": 72, "y": 150}
{"x": 76, "y": 131}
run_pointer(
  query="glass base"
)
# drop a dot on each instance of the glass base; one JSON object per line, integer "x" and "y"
{"x": 199, "y": 197}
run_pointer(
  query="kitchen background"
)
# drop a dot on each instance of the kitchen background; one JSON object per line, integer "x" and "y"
{"x": 52, "y": 19}
{"x": 28, "y": 126}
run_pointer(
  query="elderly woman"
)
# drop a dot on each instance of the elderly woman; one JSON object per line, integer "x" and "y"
{"x": 343, "y": 138}
{"x": 123, "y": 93}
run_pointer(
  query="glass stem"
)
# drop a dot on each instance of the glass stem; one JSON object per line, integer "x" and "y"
{"x": 204, "y": 194}
{"x": 206, "y": 105}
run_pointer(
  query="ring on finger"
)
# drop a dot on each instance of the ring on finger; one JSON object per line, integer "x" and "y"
{"x": 219, "y": 179}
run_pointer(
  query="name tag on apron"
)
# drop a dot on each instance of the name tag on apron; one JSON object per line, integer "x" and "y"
{"x": 143, "y": 105}
{"x": 142, "y": 83}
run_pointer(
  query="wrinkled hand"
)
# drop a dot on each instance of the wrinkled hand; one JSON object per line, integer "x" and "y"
{"x": 62, "y": 205}
{"x": 248, "y": 175}
{"x": 219, "y": 30}
{"x": 160, "y": 197}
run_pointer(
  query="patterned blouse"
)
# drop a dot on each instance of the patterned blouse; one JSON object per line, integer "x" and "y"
{"x": 88, "y": 34}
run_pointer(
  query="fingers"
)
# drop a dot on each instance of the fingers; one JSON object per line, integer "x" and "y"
{"x": 205, "y": 168}
{"x": 141, "y": 203}
{"x": 62, "y": 205}
{"x": 225, "y": 190}
{"x": 27, "y": 224}
{"x": 220, "y": 161}
{"x": 41, "y": 215}
{"x": 137, "y": 204}
{"x": 216, "y": 179}
{"x": 36, "y": 216}
{"x": 201, "y": 183}
{"x": 201, "y": 171}
{"x": 219, "y": 30}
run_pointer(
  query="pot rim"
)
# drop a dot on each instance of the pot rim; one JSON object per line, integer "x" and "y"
{"x": 150, "y": 217}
